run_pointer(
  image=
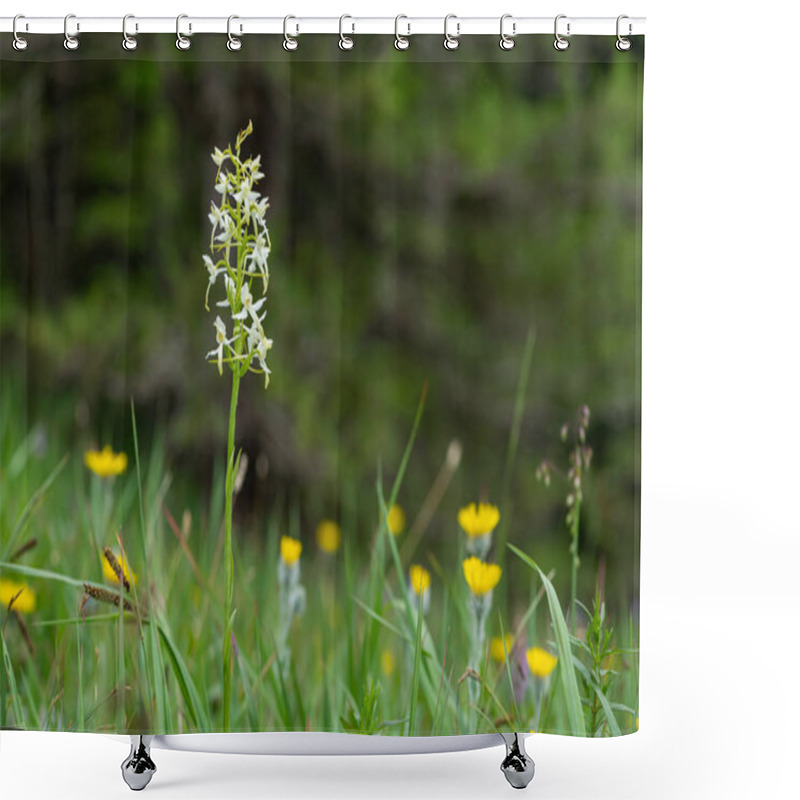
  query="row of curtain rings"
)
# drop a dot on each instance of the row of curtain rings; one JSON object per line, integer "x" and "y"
{"x": 451, "y": 40}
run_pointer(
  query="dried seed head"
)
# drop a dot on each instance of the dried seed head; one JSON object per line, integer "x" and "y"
{"x": 105, "y": 596}
{"x": 115, "y": 565}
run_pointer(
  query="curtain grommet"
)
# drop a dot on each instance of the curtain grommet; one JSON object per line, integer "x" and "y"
{"x": 289, "y": 42}
{"x": 623, "y": 44}
{"x": 507, "y": 41}
{"x": 182, "y": 42}
{"x": 401, "y": 42}
{"x": 20, "y": 43}
{"x": 129, "y": 42}
{"x": 71, "y": 42}
{"x": 451, "y": 40}
{"x": 234, "y": 42}
{"x": 560, "y": 42}
{"x": 346, "y": 42}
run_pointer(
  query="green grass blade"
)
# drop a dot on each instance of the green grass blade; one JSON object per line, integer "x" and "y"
{"x": 31, "y": 505}
{"x": 381, "y": 619}
{"x": 19, "y": 717}
{"x": 156, "y": 678}
{"x": 566, "y": 667}
{"x": 607, "y": 710}
{"x": 90, "y": 620}
{"x": 188, "y": 689}
{"x": 412, "y": 714}
{"x": 513, "y": 441}
{"x": 46, "y": 574}
{"x": 517, "y": 715}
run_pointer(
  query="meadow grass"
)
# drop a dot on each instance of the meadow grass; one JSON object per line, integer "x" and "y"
{"x": 365, "y": 656}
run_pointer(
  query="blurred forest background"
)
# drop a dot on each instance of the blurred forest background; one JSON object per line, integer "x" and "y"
{"x": 428, "y": 210}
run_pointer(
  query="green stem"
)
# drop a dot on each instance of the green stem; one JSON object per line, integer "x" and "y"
{"x": 229, "y": 482}
{"x": 575, "y": 561}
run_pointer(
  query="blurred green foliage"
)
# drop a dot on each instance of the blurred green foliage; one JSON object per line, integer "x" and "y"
{"x": 427, "y": 210}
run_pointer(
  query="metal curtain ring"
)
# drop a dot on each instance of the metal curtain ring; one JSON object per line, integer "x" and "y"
{"x": 71, "y": 42}
{"x": 451, "y": 42}
{"x": 507, "y": 42}
{"x": 401, "y": 42}
{"x": 19, "y": 43}
{"x": 623, "y": 44}
{"x": 182, "y": 42}
{"x": 234, "y": 43}
{"x": 128, "y": 42}
{"x": 345, "y": 42}
{"x": 289, "y": 42}
{"x": 560, "y": 43}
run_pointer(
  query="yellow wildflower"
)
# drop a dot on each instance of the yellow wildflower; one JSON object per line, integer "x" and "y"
{"x": 478, "y": 520}
{"x": 111, "y": 576}
{"x": 388, "y": 663}
{"x": 496, "y": 647}
{"x": 290, "y": 550}
{"x": 396, "y": 520}
{"x": 420, "y": 579}
{"x": 105, "y": 462}
{"x": 329, "y": 536}
{"x": 481, "y": 577}
{"x": 25, "y": 603}
{"x": 540, "y": 662}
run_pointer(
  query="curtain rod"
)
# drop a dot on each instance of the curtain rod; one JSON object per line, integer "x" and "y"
{"x": 346, "y": 25}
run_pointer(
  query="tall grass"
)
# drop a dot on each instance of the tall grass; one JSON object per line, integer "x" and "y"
{"x": 149, "y": 661}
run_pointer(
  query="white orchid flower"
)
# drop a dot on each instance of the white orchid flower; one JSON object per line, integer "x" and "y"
{"x": 254, "y": 165}
{"x": 222, "y": 343}
{"x": 230, "y": 289}
{"x": 228, "y": 228}
{"x": 226, "y": 183}
{"x": 258, "y": 345}
{"x": 247, "y": 199}
{"x": 218, "y": 156}
{"x": 257, "y": 258}
{"x": 213, "y": 271}
{"x": 249, "y": 308}
{"x": 240, "y": 250}
{"x": 215, "y": 218}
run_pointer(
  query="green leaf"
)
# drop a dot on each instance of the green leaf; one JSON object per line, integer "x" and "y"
{"x": 607, "y": 710}
{"x": 188, "y": 689}
{"x": 566, "y": 665}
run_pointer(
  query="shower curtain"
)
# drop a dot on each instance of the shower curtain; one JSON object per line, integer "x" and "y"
{"x": 320, "y": 386}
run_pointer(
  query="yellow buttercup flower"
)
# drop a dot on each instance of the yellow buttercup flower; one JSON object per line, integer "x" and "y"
{"x": 329, "y": 536}
{"x": 481, "y": 577}
{"x": 105, "y": 463}
{"x": 478, "y": 520}
{"x": 496, "y": 647}
{"x": 540, "y": 662}
{"x": 420, "y": 579}
{"x": 388, "y": 663}
{"x": 111, "y": 576}
{"x": 290, "y": 550}
{"x": 396, "y": 520}
{"x": 25, "y": 603}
